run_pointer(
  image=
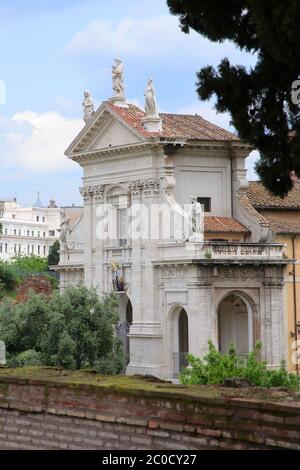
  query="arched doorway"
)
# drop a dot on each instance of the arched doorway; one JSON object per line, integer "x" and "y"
{"x": 180, "y": 340}
{"x": 235, "y": 324}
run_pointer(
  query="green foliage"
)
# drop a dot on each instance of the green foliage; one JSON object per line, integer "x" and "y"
{"x": 74, "y": 330}
{"x": 8, "y": 277}
{"x": 53, "y": 256}
{"x": 25, "y": 359}
{"x": 215, "y": 367}
{"x": 29, "y": 264}
{"x": 258, "y": 98}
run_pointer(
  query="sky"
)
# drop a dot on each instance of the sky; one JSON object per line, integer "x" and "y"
{"x": 53, "y": 50}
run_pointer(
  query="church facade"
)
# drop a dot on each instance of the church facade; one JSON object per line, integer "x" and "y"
{"x": 176, "y": 292}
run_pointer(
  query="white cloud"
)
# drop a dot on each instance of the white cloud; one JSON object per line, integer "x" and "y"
{"x": 37, "y": 141}
{"x": 154, "y": 37}
{"x": 250, "y": 165}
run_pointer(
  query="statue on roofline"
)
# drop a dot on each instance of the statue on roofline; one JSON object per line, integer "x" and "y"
{"x": 118, "y": 77}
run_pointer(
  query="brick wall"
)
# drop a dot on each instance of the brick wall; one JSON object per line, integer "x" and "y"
{"x": 42, "y": 415}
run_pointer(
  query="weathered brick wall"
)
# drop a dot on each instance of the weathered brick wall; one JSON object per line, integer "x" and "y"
{"x": 43, "y": 415}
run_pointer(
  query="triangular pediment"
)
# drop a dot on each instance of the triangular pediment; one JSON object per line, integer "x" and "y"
{"x": 104, "y": 131}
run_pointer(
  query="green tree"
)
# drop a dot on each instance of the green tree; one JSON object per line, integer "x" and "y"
{"x": 29, "y": 264}
{"x": 259, "y": 98}
{"x": 74, "y": 330}
{"x": 53, "y": 257}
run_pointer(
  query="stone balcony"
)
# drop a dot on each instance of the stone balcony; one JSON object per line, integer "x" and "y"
{"x": 211, "y": 252}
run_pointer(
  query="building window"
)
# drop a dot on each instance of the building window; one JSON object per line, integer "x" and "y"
{"x": 15, "y": 231}
{"x": 6, "y": 231}
{"x": 205, "y": 203}
{"x": 37, "y": 218}
{"x": 5, "y": 247}
{"x": 43, "y": 219}
{"x": 51, "y": 233}
{"x": 39, "y": 234}
{"x": 0, "y": 247}
{"x": 44, "y": 251}
{"x": 122, "y": 226}
{"x": 32, "y": 249}
{"x": 32, "y": 233}
{"x": 28, "y": 233}
{"x": 20, "y": 232}
{"x": 15, "y": 249}
{"x": 44, "y": 234}
{"x": 39, "y": 250}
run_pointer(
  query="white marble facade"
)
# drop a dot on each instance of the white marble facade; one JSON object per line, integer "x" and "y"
{"x": 174, "y": 295}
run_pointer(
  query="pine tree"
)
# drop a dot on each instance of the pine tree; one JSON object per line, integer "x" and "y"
{"x": 259, "y": 99}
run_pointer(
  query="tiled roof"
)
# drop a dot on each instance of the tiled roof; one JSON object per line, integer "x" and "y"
{"x": 283, "y": 226}
{"x": 261, "y": 198}
{"x": 223, "y": 224}
{"x": 183, "y": 126}
{"x": 246, "y": 204}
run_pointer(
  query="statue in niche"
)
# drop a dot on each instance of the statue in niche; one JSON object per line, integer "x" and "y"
{"x": 118, "y": 77}
{"x": 88, "y": 107}
{"x": 150, "y": 100}
{"x": 117, "y": 277}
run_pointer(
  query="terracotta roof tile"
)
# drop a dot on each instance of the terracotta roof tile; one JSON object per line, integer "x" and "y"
{"x": 183, "y": 126}
{"x": 223, "y": 224}
{"x": 246, "y": 204}
{"x": 283, "y": 226}
{"x": 261, "y": 198}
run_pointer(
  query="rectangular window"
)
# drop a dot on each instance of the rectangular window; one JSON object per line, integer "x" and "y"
{"x": 205, "y": 203}
{"x": 5, "y": 247}
{"x": 0, "y": 247}
{"x": 51, "y": 233}
{"x": 122, "y": 226}
{"x": 15, "y": 231}
{"x": 20, "y": 233}
{"x": 32, "y": 233}
{"x": 37, "y": 218}
{"x": 39, "y": 250}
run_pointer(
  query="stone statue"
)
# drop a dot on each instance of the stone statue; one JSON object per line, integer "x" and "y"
{"x": 150, "y": 100}
{"x": 117, "y": 277}
{"x": 64, "y": 228}
{"x": 118, "y": 78}
{"x": 196, "y": 221}
{"x": 88, "y": 107}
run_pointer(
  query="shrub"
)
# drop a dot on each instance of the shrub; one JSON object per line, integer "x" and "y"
{"x": 73, "y": 330}
{"x": 8, "y": 277}
{"x": 29, "y": 264}
{"x": 26, "y": 358}
{"x": 215, "y": 367}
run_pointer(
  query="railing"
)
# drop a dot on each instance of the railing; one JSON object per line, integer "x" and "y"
{"x": 225, "y": 249}
{"x": 221, "y": 250}
{"x": 179, "y": 363}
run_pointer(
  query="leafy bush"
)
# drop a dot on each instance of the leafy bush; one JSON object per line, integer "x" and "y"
{"x": 29, "y": 264}
{"x": 26, "y": 358}
{"x": 74, "y": 330}
{"x": 215, "y": 367}
{"x": 8, "y": 277}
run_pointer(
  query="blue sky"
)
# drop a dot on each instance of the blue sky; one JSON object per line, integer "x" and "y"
{"x": 51, "y": 51}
